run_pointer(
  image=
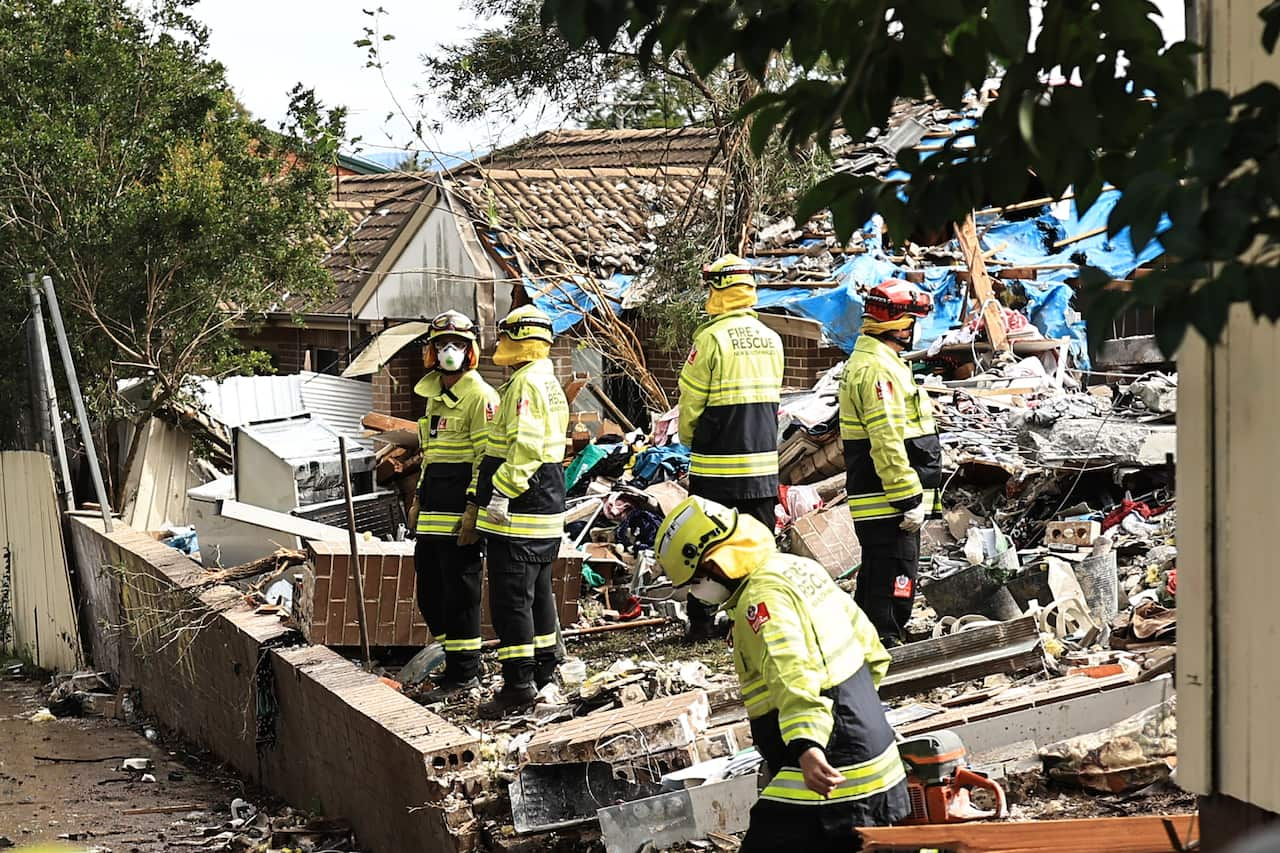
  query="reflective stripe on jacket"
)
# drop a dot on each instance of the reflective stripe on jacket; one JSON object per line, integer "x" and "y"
{"x": 808, "y": 663}
{"x": 453, "y": 434}
{"x": 525, "y": 456}
{"x": 893, "y": 459}
{"x": 730, "y": 387}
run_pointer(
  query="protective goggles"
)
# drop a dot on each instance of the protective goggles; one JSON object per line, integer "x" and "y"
{"x": 525, "y": 328}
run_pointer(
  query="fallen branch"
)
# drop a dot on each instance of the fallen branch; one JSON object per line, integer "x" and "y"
{"x": 281, "y": 559}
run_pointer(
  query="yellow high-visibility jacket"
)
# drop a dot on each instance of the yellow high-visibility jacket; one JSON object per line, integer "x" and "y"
{"x": 809, "y": 662}
{"x": 893, "y": 459}
{"x": 453, "y": 433}
{"x": 525, "y": 456}
{"x": 730, "y": 387}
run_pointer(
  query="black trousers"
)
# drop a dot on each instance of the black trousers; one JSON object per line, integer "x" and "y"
{"x": 887, "y": 580}
{"x": 825, "y": 828}
{"x": 449, "y": 581}
{"x": 522, "y": 606}
{"x": 761, "y": 509}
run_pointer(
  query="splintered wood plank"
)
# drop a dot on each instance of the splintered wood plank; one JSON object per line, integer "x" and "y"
{"x": 992, "y": 313}
{"x": 1142, "y": 834}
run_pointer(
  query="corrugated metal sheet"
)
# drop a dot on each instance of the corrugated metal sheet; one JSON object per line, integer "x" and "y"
{"x": 337, "y": 401}
{"x": 382, "y": 348}
{"x": 38, "y": 619}
{"x": 156, "y": 483}
{"x": 240, "y": 399}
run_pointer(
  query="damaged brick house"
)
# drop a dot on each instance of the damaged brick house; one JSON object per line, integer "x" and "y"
{"x": 524, "y": 223}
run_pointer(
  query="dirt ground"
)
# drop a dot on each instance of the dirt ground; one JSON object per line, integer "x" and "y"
{"x": 83, "y": 803}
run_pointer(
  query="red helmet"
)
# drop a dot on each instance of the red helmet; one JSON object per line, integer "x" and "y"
{"x": 893, "y": 298}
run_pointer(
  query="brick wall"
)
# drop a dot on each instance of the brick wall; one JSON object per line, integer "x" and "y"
{"x": 288, "y": 345}
{"x": 328, "y": 602}
{"x": 393, "y": 385}
{"x": 331, "y": 722}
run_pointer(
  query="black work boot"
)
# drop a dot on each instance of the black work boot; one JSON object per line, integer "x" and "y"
{"x": 511, "y": 698}
{"x": 447, "y": 687}
{"x": 544, "y": 672}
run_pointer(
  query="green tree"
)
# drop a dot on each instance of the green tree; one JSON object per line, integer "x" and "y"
{"x": 1209, "y": 160}
{"x": 513, "y": 62}
{"x": 164, "y": 213}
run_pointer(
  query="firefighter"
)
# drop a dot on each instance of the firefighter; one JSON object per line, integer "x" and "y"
{"x": 893, "y": 459}
{"x": 808, "y": 663}
{"x": 447, "y": 556}
{"x": 730, "y": 387}
{"x": 521, "y": 494}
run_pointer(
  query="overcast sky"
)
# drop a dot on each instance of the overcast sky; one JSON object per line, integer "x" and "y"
{"x": 269, "y": 45}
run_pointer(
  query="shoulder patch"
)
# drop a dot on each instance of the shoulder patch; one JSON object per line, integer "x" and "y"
{"x": 884, "y": 388}
{"x": 757, "y": 615}
{"x": 489, "y": 411}
{"x": 693, "y": 355}
{"x": 524, "y": 406}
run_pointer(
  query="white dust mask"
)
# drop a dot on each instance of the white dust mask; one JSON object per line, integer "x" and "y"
{"x": 452, "y": 357}
{"x": 710, "y": 591}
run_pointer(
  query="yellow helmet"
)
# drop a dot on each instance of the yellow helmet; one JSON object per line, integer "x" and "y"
{"x": 452, "y": 323}
{"x": 527, "y": 323}
{"x": 688, "y": 532}
{"x": 728, "y": 271}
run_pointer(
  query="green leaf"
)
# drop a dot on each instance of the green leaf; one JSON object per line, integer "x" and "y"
{"x": 824, "y": 193}
{"x": 363, "y": 43}
{"x": 1264, "y": 293}
{"x": 1270, "y": 14}
{"x": 604, "y": 19}
{"x": 1140, "y": 206}
{"x": 1027, "y": 121}
{"x": 1011, "y": 21}
{"x": 762, "y": 124}
{"x": 1211, "y": 301}
{"x": 571, "y": 18}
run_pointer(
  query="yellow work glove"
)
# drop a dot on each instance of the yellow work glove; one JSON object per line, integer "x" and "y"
{"x": 466, "y": 528}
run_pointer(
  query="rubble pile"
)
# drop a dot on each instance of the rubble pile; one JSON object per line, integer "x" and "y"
{"x": 1050, "y": 577}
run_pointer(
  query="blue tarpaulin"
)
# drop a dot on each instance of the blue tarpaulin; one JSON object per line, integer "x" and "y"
{"x": 1030, "y": 243}
{"x": 564, "y": 301}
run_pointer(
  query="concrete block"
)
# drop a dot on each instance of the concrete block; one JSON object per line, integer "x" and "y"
{"x": 679, "y": 817}
{"x": 827, "y": 536}
{"x": 637, "y": 730}
{"x": 1071, "y": 534}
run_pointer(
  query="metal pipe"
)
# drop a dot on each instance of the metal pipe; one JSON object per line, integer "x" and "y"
{"x": 356, "y": 563}
{"x": 86, "y": 434}
{"x": 50, "y": 392}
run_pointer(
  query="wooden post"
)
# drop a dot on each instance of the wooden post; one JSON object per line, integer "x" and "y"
{"x": 357, "y": 565}
{"x": 991, "y": 309}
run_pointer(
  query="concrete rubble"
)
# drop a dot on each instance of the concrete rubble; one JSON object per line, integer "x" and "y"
{"x": 1043, "y": 633}
{"x": 1045, "y": 621}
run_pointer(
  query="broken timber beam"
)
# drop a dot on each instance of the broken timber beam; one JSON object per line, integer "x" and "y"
{"x": 1141, "y": 834}
{"x": 991, "y": 310}
{"x": 1008, "y": 647}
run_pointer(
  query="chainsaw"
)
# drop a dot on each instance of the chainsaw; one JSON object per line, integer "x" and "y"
{"x": 939, "y": 781}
